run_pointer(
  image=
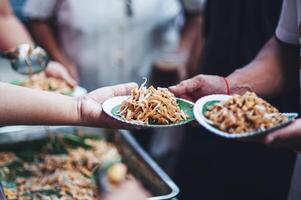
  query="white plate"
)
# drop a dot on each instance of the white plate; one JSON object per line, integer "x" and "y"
{"x": 198, "y": 113}
{"x": 112, "y": 103}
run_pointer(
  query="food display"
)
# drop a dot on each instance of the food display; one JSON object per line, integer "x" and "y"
{"x": 41, "y": 82}
{"x": 152, "y": 106}
{"x": 244, "y": 113}
{"x": 62, "y": 168}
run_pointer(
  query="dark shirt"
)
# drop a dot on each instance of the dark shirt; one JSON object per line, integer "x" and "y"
{"x": 213, "y": 168}
{"x": 235, "y": 30}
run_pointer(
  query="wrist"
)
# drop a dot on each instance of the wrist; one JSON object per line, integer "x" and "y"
{"x": 88, "y": 111}
{"x": 227, "y": 85}
{"x": 237, "y": 87}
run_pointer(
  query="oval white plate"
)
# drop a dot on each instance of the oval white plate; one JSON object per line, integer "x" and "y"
{"x": 198, "y": 113}
{"x": 111, "y": 104}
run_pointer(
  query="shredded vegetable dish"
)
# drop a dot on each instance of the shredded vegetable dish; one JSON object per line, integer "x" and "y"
{"x": 41, "y": 82}
{"x": 61, "y": 170}
{"x": 244, "y": 113}
{"x": 150, "y": 105}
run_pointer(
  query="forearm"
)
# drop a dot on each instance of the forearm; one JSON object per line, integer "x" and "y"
{"x": 45, "y": 37}
{"x": 20, "y": 105}
{"x": 270, "y": 72}
{"x": 13, "y": 33}
{"x": 191, "y": 31}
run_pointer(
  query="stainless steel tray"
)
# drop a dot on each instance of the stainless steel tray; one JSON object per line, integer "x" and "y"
{"x": 138, "y": 161}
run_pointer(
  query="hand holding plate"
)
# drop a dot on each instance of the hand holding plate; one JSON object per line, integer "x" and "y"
{"x": 288, "y": 137}
{"x": 199, "y": 86}
{"x": 90, "y": 106}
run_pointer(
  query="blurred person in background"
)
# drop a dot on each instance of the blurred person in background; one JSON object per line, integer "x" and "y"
{"x": 109, "y": 42}
{"x": 16, "y": 102}
{"x": 104, "y": 42}
{"x": 13, "y": 34}
{"x": 214, "y": 168}
{"x": 169, "y": 69}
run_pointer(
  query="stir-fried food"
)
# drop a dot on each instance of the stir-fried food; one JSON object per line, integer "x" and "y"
{"x": 41, "y": 82}
{"x": 7, "y": 157}
{"x": 150, "y": 105}
{"x": 244, "y": 113}
{"x": 59, "y": 171}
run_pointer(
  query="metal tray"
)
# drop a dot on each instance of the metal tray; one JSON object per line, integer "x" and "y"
{"x": 138, "y": 161}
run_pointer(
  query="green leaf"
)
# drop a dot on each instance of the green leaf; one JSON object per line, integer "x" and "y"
{"x": 76, "y": 141}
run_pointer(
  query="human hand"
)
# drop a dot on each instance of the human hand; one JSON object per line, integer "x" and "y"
{"x": 90, "y": 106}
{"x": 199, "y": 86}
{"x": 130, "y": 189}
{"x": 287, "y": 137}
{"x": 55, "y": 69}
{"x": 71, "y": 68}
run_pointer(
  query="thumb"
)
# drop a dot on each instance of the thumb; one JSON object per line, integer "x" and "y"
{"x": 187, "y": 87}
{"x": 69, "y": 80}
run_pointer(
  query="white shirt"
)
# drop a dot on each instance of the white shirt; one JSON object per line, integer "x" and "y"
{"x": 289, "y": 30}
{"x": 108, "y": 46}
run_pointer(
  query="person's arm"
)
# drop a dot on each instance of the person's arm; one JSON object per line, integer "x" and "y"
{"x": 269, "y": 73}
{"x": 273, "y": 70}
{"x": 44, "y": 36}
{"x": 189, "y": 47}
{"x": 12, "y": 32}
{"x": 19, "y": 105}
{"x": 191, "y": 43}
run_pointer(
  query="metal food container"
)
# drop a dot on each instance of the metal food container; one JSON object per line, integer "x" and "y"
{"x": 139, "y": 163}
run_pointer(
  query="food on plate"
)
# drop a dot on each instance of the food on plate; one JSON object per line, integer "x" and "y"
{"x": 244, "y": 113}
{"x": 150, "y": 105}
{"x": 40, "y": 81}
{"x": 62, "y": 169}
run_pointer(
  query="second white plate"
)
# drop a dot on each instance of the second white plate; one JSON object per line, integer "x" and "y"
{"x": 202, "y": 104}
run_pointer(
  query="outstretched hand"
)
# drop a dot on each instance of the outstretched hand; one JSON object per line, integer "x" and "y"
{"x": 90, "y": 106}
{"x": 199, "y": 86}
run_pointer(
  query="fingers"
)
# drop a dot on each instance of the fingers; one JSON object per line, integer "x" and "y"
{"x": 288, "y": 137}
{"x": 104, "y": 93}
{"x": 73, "y": 72}
{"x": 284, "y": 133}
{"x": 69, "y": 80}
{"x": 123, "y": 89}
{"x": 187, "y": 88}
{"x": 54, "y": 69}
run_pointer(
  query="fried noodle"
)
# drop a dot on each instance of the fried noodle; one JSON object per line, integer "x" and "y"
{"x": 150, "y": 105}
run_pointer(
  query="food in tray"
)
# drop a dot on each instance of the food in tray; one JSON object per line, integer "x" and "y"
{"x": 117, "y": 173}
{"x": 151, "y": 105}
{"x": 61, "y": 169}
{"x": 7, "y": 157}
{"x": 244, "y": 113}
{"x": 40, "y": 81}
